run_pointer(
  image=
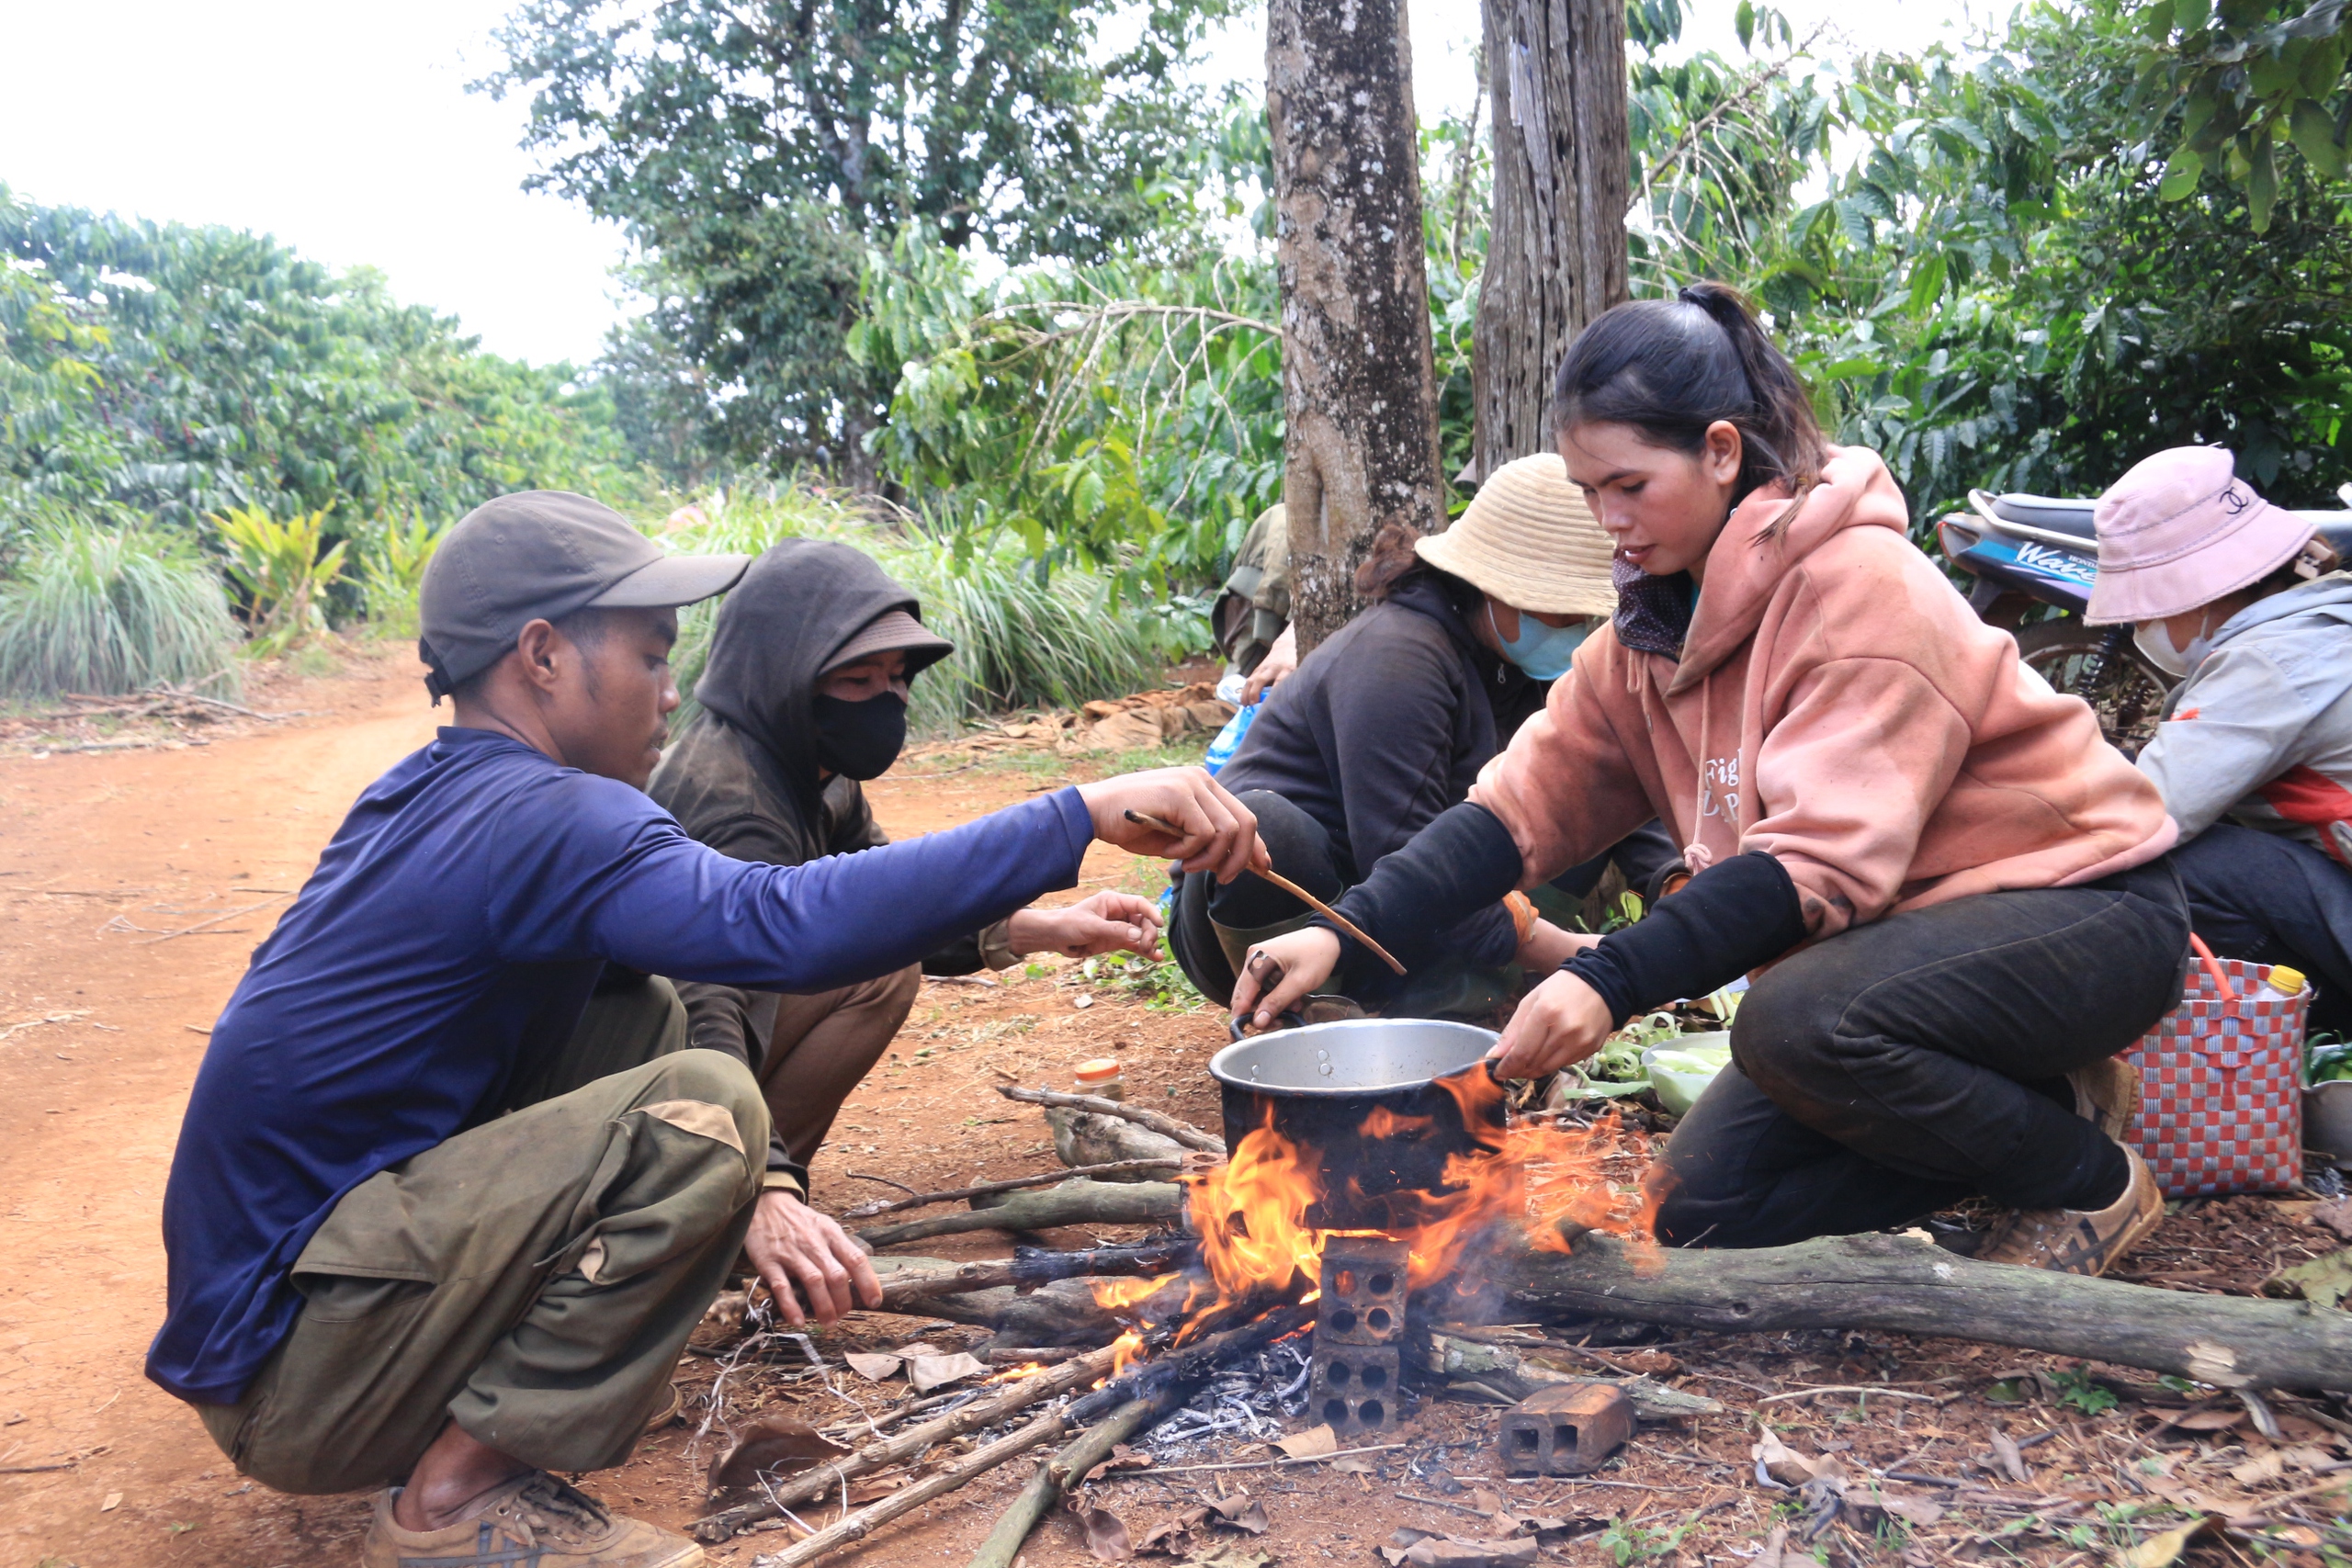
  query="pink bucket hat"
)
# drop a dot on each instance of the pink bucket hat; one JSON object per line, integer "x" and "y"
{"x": 2181, "y": 530}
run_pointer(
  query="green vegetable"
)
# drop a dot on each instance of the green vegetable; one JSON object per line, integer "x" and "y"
{"x": 2327, "y": 1059}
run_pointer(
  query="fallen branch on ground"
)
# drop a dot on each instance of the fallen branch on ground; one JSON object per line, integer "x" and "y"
{"x": 1054, "y": 1477}
{"x": 815, "y": 1484}
{"x": 1075, "y": 1202}
{"x": 201, "y": 925}
{"x": 166, "y": 689}
{"x": 1019, "y": 1183}
{"x": 1184, "y": 1132}
{"x": 1908, "y": 1283}
{"x": 865, "y": 1521}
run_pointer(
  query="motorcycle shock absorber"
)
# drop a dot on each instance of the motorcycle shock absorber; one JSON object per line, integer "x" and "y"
{"x": 2095, "y": 667}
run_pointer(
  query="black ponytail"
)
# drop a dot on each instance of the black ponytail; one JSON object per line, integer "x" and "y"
{"x": 1672, "y": 368}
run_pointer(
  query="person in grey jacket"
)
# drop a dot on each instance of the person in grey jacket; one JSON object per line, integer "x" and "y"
{"x": 2239, "y": 599}
{"x": 803, "y": 696}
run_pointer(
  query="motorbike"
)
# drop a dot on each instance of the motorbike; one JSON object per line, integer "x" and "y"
{"x": 2032, "y": 552}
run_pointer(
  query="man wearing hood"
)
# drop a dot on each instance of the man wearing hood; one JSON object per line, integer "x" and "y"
{"x": 2239, "y": 601}
{"x": 804, "y": 697}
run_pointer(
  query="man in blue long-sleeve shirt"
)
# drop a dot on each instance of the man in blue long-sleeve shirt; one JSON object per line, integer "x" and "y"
{"x": 410, "y": 1241}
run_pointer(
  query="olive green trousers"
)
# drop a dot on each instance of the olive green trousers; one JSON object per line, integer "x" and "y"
{"x": 533, "y": 1279}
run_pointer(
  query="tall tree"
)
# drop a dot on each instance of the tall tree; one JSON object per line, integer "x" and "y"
{"x": 1555, "y": 250}
{"x": 1359, "y": 443}
{"x": 756, "y": 149}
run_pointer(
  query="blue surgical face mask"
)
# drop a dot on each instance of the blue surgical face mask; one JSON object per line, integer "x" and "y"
{"x": 1543, "y": 651}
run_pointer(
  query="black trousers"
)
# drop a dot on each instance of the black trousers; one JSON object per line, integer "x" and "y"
{"x": 2271, "y": 900}
{"x": 1301, "y": 850}
{"x": 1905, "y": 1065}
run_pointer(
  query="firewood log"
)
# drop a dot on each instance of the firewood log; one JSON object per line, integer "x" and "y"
{"x": 1908, "y": 1283}
{"x": 1074, "y": 1202}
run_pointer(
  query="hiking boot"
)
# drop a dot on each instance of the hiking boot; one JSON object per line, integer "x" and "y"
{"x": 2107, "y": 1092}
{"x": 534, "y": 1520}
{"x": 2079, "y": 1241}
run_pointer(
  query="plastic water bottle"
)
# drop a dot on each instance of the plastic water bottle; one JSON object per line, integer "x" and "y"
{"x": 1229, "y": 739}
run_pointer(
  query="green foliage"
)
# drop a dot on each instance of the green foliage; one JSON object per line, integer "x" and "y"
{"x": 171, "y": 371}
{"x": 283, "y": 571}
{"x": 1119, "y": 416}
{"x": 1023, "y": 639}
{"x": 1126, "y": 415}
{"x": 1162, "y": 984}
{"x": 393, "y": 555}
{"x": 755, "y": 152}
{"x": 1627, "y": 1541}
{"x": 89, "y": 608}
{"x": 2235, "y": 88}
{"x": 2078, "y": 1389}
{"x": 1990, "y": 288}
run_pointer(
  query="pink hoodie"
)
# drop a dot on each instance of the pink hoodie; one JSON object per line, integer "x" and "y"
{"x": 1838, "y": 707}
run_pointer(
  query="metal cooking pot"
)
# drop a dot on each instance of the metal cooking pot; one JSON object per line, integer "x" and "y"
{"x": 1318, "y": 1083}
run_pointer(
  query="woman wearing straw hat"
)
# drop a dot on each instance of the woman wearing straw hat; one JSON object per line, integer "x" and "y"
{"x": 1388, "y": 724}
{"x": 2238, "y": 601}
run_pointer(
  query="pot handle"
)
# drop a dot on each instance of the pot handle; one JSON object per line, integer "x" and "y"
{"x": 1290, "y": 1018}
{"x": 1268, "y": 974}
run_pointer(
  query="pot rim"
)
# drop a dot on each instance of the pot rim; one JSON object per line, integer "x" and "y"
{"x": 1219, "y": 1071}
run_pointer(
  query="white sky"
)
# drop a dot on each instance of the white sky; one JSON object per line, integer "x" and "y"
{"x": 346, "y": 131}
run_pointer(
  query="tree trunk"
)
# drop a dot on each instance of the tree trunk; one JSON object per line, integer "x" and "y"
{"x": 1555, "y": 249}
{"x": 1358, "y": 380}
{"x": 1912, "y": 1285}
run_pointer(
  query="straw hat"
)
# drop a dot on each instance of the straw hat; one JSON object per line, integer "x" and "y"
{"x": 1529, "y": 540}
{"x": 2181, "y": 530}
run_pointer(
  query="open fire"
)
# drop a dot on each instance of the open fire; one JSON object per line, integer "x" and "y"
{"x": 1267, "y": 1225}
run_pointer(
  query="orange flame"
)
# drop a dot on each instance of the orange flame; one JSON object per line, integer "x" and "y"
{"x": 1385, "y": 1124}
{"x": 1251, "y": 1212}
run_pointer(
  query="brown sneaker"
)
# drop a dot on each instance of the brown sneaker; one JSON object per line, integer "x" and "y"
{"x": 534, "y": 1520}
{"x": 2079, "y": 1241}
{"x": 2107, "y": 1092}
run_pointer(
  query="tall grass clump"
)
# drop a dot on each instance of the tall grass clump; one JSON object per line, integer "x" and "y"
{"x": 112, "y": 610}
{"x": 1023, "y": 639}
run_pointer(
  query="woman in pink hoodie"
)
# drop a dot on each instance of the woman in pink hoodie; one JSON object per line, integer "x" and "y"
{"x": 1955, "y": 890}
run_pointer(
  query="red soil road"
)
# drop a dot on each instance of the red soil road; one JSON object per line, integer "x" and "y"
{"x": 99, "y": 1040}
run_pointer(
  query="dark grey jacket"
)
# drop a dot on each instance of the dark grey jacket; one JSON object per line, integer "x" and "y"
{"x": 1386, "y": 725}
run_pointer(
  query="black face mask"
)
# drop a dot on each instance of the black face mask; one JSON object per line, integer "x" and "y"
{"x": 861, "y": 739}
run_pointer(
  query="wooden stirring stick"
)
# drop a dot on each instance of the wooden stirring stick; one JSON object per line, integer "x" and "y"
{"x": 1147, "y": 820}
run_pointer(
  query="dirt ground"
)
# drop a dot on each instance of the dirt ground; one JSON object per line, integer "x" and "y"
{"x": 136, "y": 880}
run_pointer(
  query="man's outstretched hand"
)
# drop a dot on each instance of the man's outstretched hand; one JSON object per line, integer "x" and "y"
{"x": 1101, "y": 923}
{"x": 1214, "y": 832}
{"x": 794, "y": 1246}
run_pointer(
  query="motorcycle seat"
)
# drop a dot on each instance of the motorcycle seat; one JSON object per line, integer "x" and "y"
{"x": 2055, "y": 513}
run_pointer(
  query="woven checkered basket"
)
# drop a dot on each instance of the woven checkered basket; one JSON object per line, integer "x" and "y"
{"x": 2221, "y": 1084}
